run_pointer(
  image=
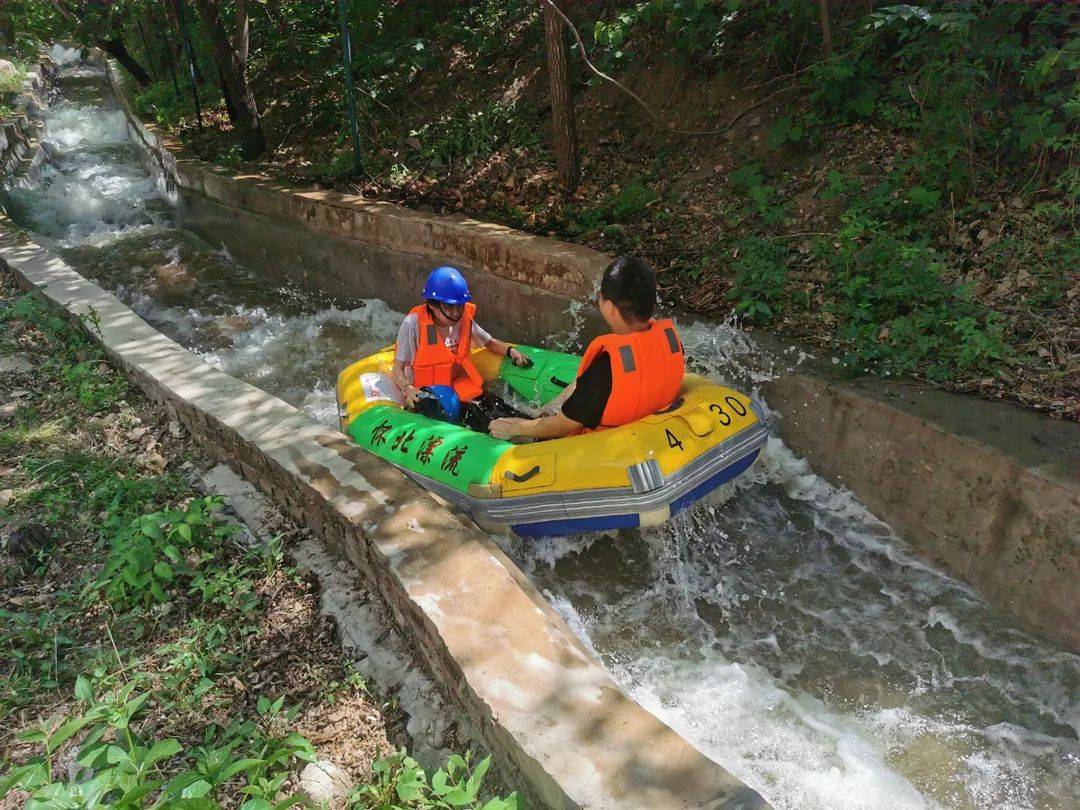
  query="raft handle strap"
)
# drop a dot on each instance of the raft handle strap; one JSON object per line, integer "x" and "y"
{"x": 524, "y": 476}
{"x": 558, "y": 382}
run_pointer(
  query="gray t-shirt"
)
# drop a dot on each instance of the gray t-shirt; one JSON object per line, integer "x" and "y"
{"x": 408, "y": 339}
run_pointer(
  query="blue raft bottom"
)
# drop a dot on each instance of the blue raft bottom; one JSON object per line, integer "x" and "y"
{"x": 557, "y": 528}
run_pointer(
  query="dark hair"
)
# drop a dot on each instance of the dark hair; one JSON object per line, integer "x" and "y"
{"x": 630, "y": 284}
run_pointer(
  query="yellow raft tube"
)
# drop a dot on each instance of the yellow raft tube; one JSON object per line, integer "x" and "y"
{"x": 635, "y": 475}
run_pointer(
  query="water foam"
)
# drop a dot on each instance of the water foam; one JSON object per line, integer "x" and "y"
{"x": 64, "y": 56}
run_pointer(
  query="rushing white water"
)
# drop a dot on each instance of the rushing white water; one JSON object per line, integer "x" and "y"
{"x": 64, "y": 56}
{"x": 793, "y": 638}
{"x": 781, "y": 628}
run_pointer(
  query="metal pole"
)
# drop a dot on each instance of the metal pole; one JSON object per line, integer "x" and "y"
{"x": 350, "y": 91}
{"x": 182, "y": 19}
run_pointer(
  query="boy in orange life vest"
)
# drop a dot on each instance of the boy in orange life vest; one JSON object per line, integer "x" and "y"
{"x": 624, "y": 376}
{"x": 434, "y": 343}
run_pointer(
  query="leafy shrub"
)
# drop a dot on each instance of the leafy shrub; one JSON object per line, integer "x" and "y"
{"x": 704, "y": 29}
{"x": 629, "y": 204}
{"x": 462, "y": 140}
{"x": 124, "y": 768}
{"x": 400, "y": 781}
{"x": 750, "y": 180}
{"x": 981, "y": 86}
{"x": 760, "y": 273}
{"x": 156, "y": 553}
{"x": 161, "y": 101}
{"x": 13, "y": 82}
{"x": 845, "y": 89}
{"x": 896, "y": 312}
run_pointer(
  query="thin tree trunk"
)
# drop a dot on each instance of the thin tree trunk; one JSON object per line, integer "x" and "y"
{"x": 115, "y": 47}
{"x": 242, "y": 38}
{"x": 170, "y": 61}
{"x": 146, "y": 48}
{"x": 252, "y": 140}
{"x": 226, "y": 96}
{"x": 826, "y": 29}
{"x": 562, "y": 100}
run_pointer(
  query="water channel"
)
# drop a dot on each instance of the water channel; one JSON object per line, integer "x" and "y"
{"x": 781, "y": 628}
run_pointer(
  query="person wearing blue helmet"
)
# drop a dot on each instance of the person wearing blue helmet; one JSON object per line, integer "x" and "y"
{"x": 434, "y": 345}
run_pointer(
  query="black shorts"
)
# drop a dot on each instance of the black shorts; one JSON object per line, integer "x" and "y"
{"x": 476, "y": 415}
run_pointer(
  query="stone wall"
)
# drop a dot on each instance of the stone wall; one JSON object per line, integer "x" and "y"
{"x": 559, "y": 728}
{"x": 20, "y": 151}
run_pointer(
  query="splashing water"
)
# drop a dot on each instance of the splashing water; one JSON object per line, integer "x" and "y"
{"x": 780, "y": 627}
{"x": 793, "y": 638}
{"x": 64, "y": 56}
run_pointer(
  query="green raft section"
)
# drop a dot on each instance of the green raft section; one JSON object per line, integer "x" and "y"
{"x": 551, "y": 372}
{"x": 449, "y": 454}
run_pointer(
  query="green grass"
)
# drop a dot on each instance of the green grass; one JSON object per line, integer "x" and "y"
{"x": 131, "y": 614}
{"x": 13, "y": 82}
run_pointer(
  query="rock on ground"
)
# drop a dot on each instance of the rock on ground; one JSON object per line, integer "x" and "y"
{"x": 325, "y": 782}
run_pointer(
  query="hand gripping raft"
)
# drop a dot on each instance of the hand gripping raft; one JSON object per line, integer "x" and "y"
{"x": 639, "y": 474}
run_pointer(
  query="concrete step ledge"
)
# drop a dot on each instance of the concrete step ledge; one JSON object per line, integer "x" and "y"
{"x": 558, "y": 726}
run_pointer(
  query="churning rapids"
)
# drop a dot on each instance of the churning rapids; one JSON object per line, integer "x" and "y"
{"x": 781, "y": 628}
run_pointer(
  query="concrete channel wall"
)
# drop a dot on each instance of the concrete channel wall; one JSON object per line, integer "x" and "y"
{"x": 990, "y": 491}
{"x": 20, "y": 150}
{"x": 560, "y": 729}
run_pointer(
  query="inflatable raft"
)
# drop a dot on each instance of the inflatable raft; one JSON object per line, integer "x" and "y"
{"x": 635, "y": 475}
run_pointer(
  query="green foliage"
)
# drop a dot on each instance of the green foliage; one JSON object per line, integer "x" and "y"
{"x": 762, "y": 197}
{"x": 845, "y": 90}
{"x": 13, "y": 82}
{"x": 36, "y": 646}
{"x": 896, "y": 312}
{"x": 983, "y": 87}
{"x": 463, "y": 139}
{"x": 156, "y": 554}
{"x": 124, "y": 768}
{"x": 161, "y": 102}
{"x": 692, "y": 26}
{"x": 629, "y": 204}
{"x": 40, "y": 18}
{"x": 95, "y": 392}
{"x": 400, "y": 782}
{"x": 783, "y": 131}
{"x": 760, "y": 268}
{"x": 94, "y": 639}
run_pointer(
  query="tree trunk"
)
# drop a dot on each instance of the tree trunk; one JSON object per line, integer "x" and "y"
{"x": 562, "y": 100}
{"x": 226, "y": 96}
{"x": 115, "y": 47}
{"x": 252, "y": 140}
{"x": 146, "y": 49}
{"x": 242, "y": 37}
{"x": 826, "y": 29}
{"x": 167, "y": 48}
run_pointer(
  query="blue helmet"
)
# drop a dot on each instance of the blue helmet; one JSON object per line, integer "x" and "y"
{"x": 440, "y": 402}
{"x": 446, "y": 284}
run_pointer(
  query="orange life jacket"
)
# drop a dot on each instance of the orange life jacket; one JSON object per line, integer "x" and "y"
{"x": 646, "y": 371}
{"x": 435, "y": 364}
